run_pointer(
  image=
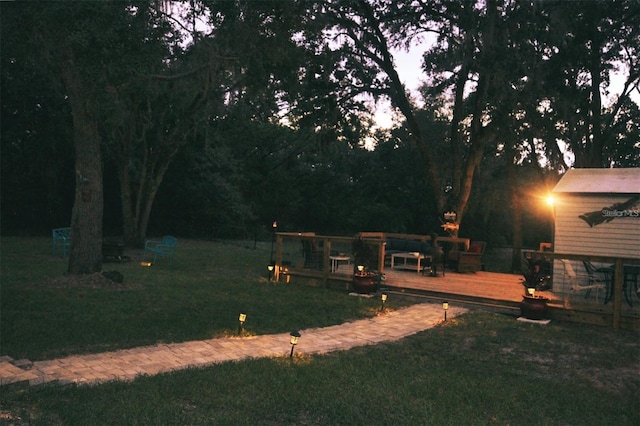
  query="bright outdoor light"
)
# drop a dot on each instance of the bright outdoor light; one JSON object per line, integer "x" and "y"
{"x": 295, "y": 335}
{"x": 145, "y": 263}
{"x": 360, "y": 268}
{"x": 445, "y": 306}
{"x": 531, "y": 291}
{"x": 383, "y": 297}
{"x": 550, "y": 200}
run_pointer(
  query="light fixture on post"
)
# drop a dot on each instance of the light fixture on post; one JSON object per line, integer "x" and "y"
{"x": 241, "y": 319}
{"x": 274, "y": 227}
{"x": 445, "y": 306}
{"x": 360, "y": 269}
{"x": 295, "y": 335}
{"x": 270, "y": 268}
{"x": 383, "y": 298}
{"x": 531, "y": 291}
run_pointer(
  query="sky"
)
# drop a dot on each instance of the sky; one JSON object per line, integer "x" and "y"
{"x": 409, "y": 70}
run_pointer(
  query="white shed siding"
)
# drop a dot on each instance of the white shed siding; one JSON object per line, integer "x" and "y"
{"x": 619, "y": 237}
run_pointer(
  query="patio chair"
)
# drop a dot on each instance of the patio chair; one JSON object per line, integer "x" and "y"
{"x": 165, "y": 248}
{"x": 470, "y": 260}
{"x": 581, "y": 282}
{"x": 62, "y": 239}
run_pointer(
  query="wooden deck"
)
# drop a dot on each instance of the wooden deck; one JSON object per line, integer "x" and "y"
{"x": 494, "y": 291}
{"x": 489, "y": 290}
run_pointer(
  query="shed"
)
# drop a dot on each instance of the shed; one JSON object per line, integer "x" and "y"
{"x": 597, "y": 212}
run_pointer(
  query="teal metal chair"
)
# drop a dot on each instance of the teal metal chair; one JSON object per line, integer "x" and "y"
{"x": 62, "y": 239}
{"x": 164, "y": 248}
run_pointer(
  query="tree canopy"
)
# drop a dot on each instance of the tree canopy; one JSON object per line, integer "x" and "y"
{"x": 216, "y": 117}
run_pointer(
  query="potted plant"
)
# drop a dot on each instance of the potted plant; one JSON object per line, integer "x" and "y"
{"x": 534, "y": 307}
{"x": 366, "y": 278}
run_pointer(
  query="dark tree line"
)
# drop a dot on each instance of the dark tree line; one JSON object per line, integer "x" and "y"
{"x": 215, "y": 117}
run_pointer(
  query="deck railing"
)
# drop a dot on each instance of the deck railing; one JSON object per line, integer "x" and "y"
{"x": 618, "y": 277}
{"x": 315, "y": 256}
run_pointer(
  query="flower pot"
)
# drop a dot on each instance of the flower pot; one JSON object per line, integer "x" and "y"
{"x": 364, "y": 283}
{"x": 534, "y": 307}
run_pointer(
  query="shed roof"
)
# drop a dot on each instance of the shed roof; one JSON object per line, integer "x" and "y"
{"x": 600, "y": 181}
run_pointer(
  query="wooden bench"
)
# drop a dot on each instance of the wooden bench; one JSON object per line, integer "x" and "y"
{"x": 165, "y": 248}
{"x": 61, "y": 238}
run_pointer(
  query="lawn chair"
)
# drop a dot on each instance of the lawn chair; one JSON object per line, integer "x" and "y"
{"x": 61, "y": 238}
{"x": 165, "y": 248}
{"x": 581, "y": 282}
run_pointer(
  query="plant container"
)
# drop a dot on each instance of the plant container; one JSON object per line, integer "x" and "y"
{"x": 534, "y": 307}
{"x": 364, "y": 283}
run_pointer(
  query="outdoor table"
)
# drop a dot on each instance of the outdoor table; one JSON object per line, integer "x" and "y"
{"x": 114, "y": 251}
{"x": 335, "y": 261}
{"x": 406, "y": 256}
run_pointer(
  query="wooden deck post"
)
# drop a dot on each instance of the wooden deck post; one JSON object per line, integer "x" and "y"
{"x": 326, "y": 262}
{"x": 383, "y": 246}
{"x": 278, "y": 260}
{"x": 617, "y": 292}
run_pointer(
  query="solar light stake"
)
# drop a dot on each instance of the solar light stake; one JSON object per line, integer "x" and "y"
{"x": 383, "y": 297}
{"x": 445, "y": 306}
{"x": 294, "y": 341}
{"x": 241, "y": 319}
{"x": 270, "y": 268}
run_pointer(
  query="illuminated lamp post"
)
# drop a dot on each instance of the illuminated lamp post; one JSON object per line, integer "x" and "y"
{"x": 274, "y": 227}
{"x": 445, "y": 306}
{"x": 383, "y": 298}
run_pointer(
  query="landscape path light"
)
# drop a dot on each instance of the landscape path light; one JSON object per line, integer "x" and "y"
{"x": 445, "y": 306}
{"x": 295, "y": 335}
{"x": 241, "y": 319}
{"x": 383, "y": 298}
{"x": 270, "y": 268}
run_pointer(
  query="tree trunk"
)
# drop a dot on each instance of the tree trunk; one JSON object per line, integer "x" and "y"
{"x": 86, "y": 220}
{"x": 516, "y": 211}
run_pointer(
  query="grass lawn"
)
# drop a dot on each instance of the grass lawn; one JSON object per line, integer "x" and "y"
{"x": 48, "y": 315}
{"x": 479, "y": 368}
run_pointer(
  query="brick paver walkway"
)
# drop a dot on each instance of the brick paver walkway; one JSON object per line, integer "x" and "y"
{"x": 126, "y": 364}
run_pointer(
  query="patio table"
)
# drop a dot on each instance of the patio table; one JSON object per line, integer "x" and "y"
{"x": 335, "y": 261}
{"x": 418, "y": 257}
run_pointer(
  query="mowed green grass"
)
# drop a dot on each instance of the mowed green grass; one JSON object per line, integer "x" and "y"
{"x": 477, "y": 369}
{"x": 46, "y": 314}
